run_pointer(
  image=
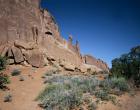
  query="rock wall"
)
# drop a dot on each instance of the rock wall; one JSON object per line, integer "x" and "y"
{"x": 19, "y": 19}
{"x": 27, "y": 29}
{"x": 30, "y": 35}
{"x": 88, "y": 59}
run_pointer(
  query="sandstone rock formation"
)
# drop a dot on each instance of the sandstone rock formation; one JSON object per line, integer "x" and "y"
{"x": 88, "y": 59}
{"x": 30, "y": 35}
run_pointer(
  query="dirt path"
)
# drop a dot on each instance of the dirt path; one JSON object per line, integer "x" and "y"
{"x": 23, "y": 92}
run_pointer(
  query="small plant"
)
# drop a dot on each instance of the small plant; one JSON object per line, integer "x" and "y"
{"x": 4, "y": 79}
{"x": 8, "y": 98}
{"x": 2, "y": 63}
{"x": 105, "y": 85}
{"x": 51, "y": 72}
{"x": 92, "y": 106}
{"x": 102, "y": 94}
{"x": 15, "y": 72}
{"x": 87, "y": 98}
{"x": 113, "y": 99}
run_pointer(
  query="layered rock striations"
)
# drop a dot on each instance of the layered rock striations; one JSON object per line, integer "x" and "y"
{"x": 30, "y": 35}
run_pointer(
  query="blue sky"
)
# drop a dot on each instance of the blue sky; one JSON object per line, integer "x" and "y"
{"x": 104, "y": 28}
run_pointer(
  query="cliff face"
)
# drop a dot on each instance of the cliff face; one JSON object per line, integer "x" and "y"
{"x": 18, "y": 20}
{"x": 30, "y": 35}
{"x": 88, "y": 59}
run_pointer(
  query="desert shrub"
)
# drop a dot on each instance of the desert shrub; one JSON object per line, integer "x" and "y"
{"x": 66, "y": 92}
{"x": 114, "y": 82}
{"x": 86, "y": 98}
{"x": 2, "y": 63}
{"x": 92, "y": 106}
{"x": 113, "y": 99}
{"x": 104, "y": 83}
{"x": 4, "y": 79}
{"x": 51, "y": 72}
{"x": 87, "y": 84}
{"x": 7, "y": 98}
{"x": 119, "y": 83}
{"x": 15, "y": 72}
{"x": 102, "y": 94}
{"x": 56, "y": 79}
{"x": 58, "y": 96}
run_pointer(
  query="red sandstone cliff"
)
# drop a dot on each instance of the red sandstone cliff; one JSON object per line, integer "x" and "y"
{"x": 30, "y": 35}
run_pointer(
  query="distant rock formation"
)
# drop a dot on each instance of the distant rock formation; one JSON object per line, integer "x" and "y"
{"x": 30, "y": 35}
{"x": 88, "y": 59}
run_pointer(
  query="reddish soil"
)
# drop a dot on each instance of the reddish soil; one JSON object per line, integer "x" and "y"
{"x": 25, "y": 92}
{"x": 126, "y": 102}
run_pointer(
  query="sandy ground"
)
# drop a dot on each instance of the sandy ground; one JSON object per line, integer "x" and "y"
{"x": 25, "y": 92}
{"x": 126, "y": 102}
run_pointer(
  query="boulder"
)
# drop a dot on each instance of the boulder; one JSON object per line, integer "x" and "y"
{"x": 61, "y": 63}
{"x": 51, "y": 58}
{"x": 69, "y": 67}
{"x": 17, "y": 55}
{"x": 83, "y": 69}
{"x": 35, "y": 58}
{"x": 10, "y": 61}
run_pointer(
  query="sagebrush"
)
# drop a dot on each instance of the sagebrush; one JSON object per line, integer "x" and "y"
{"x": 67, "y": 92}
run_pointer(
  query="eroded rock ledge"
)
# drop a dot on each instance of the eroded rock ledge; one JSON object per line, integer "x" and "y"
{"x": 29, "y": 35}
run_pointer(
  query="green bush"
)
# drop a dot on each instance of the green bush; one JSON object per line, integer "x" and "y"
{"x": 128, "y": 65}
{"x": 4, "y": 79}
{"x": 15, "y": 72}
{"x": 119, "y": 83}
{"x": 2, "y": 63}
